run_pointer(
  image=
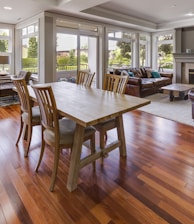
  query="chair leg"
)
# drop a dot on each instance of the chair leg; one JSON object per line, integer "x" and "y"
{"x": 20, "y": 133}
{"x": 55, "y": 168}
{"x": 28, "y": 139}
{"x": 41, "y": 152}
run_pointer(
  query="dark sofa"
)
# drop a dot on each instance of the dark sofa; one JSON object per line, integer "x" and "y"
{"x": 144, "y": 81}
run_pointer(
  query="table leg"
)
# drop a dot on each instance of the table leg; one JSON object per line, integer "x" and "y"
{"x": 171, "y": 95}
{"x": 186, "y": 97}
{"x": 75, "y": 158}
{"x": 121, "y": 135}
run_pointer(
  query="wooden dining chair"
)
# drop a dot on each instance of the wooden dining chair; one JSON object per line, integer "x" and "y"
{"x": 56, "y": 132}
{"x": 116, "y": 84}
{"x": 30, "y": 115}
{"x": 85, "y": 78}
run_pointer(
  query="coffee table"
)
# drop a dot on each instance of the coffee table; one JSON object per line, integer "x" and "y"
{"x": 177, "y": 90}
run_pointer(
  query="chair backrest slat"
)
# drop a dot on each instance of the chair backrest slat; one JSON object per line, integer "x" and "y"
{"x": 85, "y": 78}
{"x": 23, "y": 94}
{"x": 115, "y": 83}
{"x": 48, "y": 108}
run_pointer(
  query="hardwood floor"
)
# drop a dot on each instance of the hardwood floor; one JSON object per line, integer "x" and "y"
{"x": 153, "y": 185}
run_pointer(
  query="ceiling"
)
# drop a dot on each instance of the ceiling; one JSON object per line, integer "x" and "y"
{"x": 150, "y": 15}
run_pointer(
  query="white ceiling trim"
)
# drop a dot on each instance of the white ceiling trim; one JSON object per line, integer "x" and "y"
{"x": 79, "y": 5}
{"x": 130, "y": 21}
{"x": 176, "y": 24}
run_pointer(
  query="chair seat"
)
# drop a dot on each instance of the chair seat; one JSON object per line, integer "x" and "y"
{"x": 67, "y": 131}
{"x": 35, "y": 115}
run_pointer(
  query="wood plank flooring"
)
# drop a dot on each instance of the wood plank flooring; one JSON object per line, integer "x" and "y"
{"x": 154, "y": 184}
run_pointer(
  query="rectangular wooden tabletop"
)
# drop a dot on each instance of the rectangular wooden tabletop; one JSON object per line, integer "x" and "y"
{"x": 89, "y": 106}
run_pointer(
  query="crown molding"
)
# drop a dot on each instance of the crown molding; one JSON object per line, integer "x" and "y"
{"x": 115, "y": 16}
{"x": 176, "y": 24}
{"x": 141, "y": 24}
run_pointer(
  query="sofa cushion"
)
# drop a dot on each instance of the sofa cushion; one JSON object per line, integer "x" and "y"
{"x": 160, "y": 81}
{"x": 147, "y": 83}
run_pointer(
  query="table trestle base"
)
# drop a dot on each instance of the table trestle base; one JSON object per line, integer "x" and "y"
{"x": 99, "y": 153}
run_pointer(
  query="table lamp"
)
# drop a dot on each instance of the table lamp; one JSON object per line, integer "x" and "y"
{"x": 4, "y": 60}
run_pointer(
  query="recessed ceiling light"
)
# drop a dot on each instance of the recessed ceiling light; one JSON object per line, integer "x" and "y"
{"x": 190, "y": 14}
{"x": 7, "y": 8}
{"x": 174, "y": 5}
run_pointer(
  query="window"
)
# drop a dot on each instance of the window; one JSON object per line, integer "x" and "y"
{"x": 30, "y": 48}
{"x": 5, "y": 47}
{"x": 165, "y": 50}
{"x": 119, "y": 49}
{"x": 144, "y": 43}
{"x": 76, "y": 49}
{"x": 66, "y": 52}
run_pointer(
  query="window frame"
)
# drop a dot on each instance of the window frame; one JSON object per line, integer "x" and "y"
{"x": 157, "y": 42}
{"x": 29, "y": 35}
{"x": 10, "y": 39}
{"x": 114, "y": 38}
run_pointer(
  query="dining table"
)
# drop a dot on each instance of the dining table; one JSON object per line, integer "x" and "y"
{"x": 89, "y": 106}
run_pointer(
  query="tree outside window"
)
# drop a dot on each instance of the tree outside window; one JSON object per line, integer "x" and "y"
{"x": 165, "y": 50}
{"x": 30, "y": 48}
{"x": 119, "y": 48}
{"x": 5, "y": 46}
{"x": 142, "y": 50}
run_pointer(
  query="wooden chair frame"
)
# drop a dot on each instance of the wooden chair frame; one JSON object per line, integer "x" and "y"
{"x": 28, "y": 119}
{"x": 85, "y": 78}
{"x": 50, "y": 121}
{"x": 117, "y": 84}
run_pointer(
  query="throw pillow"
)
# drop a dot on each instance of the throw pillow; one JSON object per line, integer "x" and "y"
{"x": 149, "y": 73}
{"x": 143, "y": 72}
{"x": 139, "y": 72}
{"x": 155, "y": 74}
{"x": 131, "y": 74}
{"x": 136, "y": 73}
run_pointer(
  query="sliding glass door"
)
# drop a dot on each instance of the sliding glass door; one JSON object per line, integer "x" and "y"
{"x": 75, "y": 52}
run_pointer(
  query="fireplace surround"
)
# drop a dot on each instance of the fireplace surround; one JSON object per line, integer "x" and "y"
{"x": 184, "y": 64}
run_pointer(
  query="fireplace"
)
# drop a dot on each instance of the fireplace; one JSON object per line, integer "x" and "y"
{"x": 187, "y": 73}
{"x": 191, "y": 76}
{"x": 184, "y": 68}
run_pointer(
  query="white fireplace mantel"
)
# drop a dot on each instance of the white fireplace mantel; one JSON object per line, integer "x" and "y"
{"x": 184, "y": 57}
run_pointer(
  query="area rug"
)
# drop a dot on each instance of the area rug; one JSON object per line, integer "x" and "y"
{"x": 177, "y": 110}
{"x": 8, "y": 100}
